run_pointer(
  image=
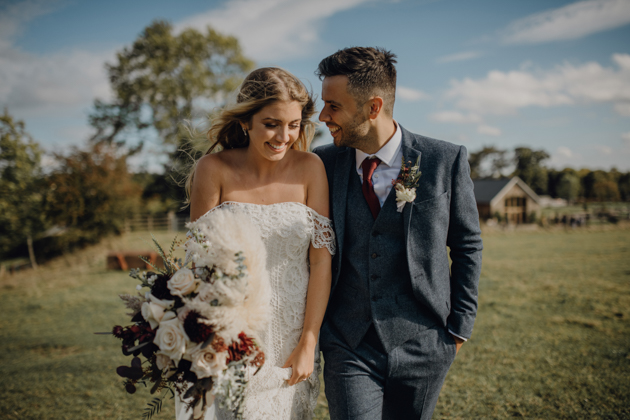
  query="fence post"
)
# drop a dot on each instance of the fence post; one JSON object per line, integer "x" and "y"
{"x": 172, "y": 221}
{"x": 150, "y": 223}
{"x": 31, "y": 252}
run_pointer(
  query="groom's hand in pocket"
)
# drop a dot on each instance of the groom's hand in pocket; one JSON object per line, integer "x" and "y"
{"x": 302, "y": 361}
{"x": 458, "y": 343}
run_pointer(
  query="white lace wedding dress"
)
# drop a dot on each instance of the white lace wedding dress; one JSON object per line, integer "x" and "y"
{"x": 287, "y": 230}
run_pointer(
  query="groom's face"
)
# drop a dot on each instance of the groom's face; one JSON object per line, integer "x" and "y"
{"x": 347, "y": 121}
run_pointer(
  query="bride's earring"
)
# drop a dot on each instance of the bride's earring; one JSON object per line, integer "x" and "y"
{"x": 244, "y": 131}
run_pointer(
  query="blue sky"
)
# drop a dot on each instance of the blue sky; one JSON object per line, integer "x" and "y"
{"x": 546, "y": 74}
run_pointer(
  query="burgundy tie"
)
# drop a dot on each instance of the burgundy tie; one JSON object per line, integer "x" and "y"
{"x": 368, "y": 166}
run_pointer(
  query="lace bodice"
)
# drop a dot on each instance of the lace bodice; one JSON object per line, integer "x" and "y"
{"x": 287, "y": 229}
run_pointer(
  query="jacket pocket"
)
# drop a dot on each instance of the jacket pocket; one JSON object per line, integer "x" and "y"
{"x": 441, "y": 199}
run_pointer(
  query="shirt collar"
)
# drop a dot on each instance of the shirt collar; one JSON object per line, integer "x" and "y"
{"x": 387, "y": 154}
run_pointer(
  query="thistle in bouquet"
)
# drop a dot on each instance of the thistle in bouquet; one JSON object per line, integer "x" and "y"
{"x": 194, "y": 321}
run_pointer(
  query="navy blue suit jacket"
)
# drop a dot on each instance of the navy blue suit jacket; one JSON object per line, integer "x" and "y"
{"x": 444, "y": 214}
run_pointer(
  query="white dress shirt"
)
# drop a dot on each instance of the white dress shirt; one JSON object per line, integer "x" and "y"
{"x": 391, "y": 161}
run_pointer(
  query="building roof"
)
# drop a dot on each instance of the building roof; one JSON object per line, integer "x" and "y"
{"x": 489, "y": 191}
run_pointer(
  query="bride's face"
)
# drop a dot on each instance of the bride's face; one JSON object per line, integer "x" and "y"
{"x": 275, "y": 128}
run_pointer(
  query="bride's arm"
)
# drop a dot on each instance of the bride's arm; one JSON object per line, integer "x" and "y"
{"x": 302, "y": 359}
{"x": 205, "y": 192}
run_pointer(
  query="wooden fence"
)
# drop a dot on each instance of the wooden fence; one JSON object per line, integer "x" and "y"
{"x": 170, "y": 222}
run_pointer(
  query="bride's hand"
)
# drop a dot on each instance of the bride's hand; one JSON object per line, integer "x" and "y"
{"x": 302, "y": 360}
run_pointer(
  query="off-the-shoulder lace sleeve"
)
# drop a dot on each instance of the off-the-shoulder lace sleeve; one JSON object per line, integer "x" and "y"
{"x": 323, "y": 233}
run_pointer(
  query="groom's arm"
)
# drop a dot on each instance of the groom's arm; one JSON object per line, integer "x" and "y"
{"x": 464, "y": 241}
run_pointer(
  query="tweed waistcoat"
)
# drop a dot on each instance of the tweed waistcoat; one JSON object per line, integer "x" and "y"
{"x": 374, "y": 282}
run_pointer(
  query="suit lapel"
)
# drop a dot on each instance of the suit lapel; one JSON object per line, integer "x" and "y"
{"x": 410, "y": 154}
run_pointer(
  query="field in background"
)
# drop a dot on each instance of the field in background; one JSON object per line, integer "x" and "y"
{"x": 552, "y": 338}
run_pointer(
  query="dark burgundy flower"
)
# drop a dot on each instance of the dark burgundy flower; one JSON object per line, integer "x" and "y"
{"x": 197, "y": 331}
{"x": 160, "y": 288}
{"x": 118, "y": 331}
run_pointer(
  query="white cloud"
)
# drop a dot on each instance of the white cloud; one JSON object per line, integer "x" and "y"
{"x": 455, "y": 117}
{"x": 623, "y": 108}
{"x": 49, "y": 83}
{"x": 503, "y": 93}
{"x": 565, "y": 157}
{"x": 605, "y": 150}
{"x": 564, "y": 152}
{"x": 488, "y": 130}
{"x": 573, "y": 21}
{"x": 14, "y": 16}
{"x": 626, "y": 137}
{"x": 53, "y": 82}
{"x": 271, "y": 29}
{"x": 461, "y": 56}
{"x": 409, "y": 94}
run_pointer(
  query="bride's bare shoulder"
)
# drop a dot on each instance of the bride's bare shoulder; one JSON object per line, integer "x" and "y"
{"x": 309, "y": 164}
{"x": 218, "y": 163}
{"x": 308, "y": 159}
{"x": 212, "y": 173}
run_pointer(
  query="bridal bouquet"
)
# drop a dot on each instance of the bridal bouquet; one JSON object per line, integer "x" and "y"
{"x": 194, "y": 326}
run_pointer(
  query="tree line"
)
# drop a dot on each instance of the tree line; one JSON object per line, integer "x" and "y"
{"x": 84, "y": 194}
{"x": 160, "y": 80}
{"x": 574, "y": 185}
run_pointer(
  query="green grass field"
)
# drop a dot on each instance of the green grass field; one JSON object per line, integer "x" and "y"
{"x": 552, "y": 338}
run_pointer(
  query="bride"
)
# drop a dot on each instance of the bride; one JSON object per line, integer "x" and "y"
{"x": 264, "y": 171}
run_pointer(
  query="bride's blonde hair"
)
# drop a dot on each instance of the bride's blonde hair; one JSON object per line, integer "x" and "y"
{"x": 260, "y": 88}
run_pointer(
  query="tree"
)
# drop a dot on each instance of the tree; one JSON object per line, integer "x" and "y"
{"x": 568, "y": 186}
{"x": 164, "y": 78}
{"x": 488, "y": 162}
{"x": 529, "y": 168}
{"x": 599, "y": 186}
{"x": 624, "y": 186}
{"x": 160, "y": 192}
{"x": 21, "y": 216}
{"x": 91, "y": 193}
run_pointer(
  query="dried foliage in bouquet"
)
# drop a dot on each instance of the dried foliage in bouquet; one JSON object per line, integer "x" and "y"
{"x": 196, "y": 324}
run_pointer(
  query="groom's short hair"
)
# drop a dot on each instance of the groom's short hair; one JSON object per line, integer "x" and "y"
{"x": 370, "y": 72}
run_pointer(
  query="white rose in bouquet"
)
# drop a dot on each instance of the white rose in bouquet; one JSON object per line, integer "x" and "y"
{"x": 183, "y": 282}
{"x": 152, "y": 313}
{"x": 171, "y": 337}
{"x": 206, "y": 362}
{"x": 153, "y": 310}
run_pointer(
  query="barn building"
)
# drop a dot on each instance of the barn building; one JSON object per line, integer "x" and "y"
{"x": 509, "y": 198}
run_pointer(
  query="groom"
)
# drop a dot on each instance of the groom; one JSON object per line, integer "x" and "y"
{"x": 397, "y": 314}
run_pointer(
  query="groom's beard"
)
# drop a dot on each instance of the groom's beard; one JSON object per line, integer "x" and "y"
{"x": 356, "y": 133}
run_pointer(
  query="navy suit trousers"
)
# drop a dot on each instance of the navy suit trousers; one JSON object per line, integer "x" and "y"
{"x": 366, "y": 383}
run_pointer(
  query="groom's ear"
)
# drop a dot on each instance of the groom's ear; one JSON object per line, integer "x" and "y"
{"x": 376, "y": 106}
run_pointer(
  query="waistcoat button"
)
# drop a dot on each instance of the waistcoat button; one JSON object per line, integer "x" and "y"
{"x": 374, "y": 255}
